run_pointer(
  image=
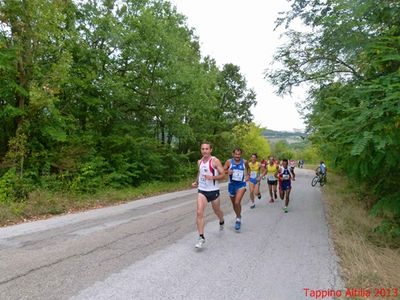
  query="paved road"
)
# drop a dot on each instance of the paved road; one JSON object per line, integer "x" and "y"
{"x": 145, "y": 250}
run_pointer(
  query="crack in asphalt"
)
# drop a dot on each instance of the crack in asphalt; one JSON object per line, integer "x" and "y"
{"x": 104, "y": 246}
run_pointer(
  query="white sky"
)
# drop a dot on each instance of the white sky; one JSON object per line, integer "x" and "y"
{"x": 241, "y": 32}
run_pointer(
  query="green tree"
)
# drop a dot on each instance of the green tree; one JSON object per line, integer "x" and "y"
{"x": 351, "y": 61}
{"x": 250, "y": 139}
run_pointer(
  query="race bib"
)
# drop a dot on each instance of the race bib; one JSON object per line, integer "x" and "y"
{"x": 202, "y": 179}
{"x": 237, "y": 175}
{"x": 271, "y": 178}
{"x": 253, "y": 174}
{"x": 285, "y": 177}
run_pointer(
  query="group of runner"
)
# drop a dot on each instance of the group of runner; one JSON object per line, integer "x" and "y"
{"x": 240, "y": 171}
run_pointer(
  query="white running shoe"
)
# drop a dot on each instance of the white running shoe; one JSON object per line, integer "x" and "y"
{"x": 200, "y": 243}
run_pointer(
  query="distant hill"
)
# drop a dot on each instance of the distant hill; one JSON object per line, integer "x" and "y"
{"x": 290, "y": 137}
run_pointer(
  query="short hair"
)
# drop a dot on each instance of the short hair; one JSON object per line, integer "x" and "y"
{"x": 255, "y": 154}
{"x": 237, "y": 149}
{"x": 207, "y": 143}
{"x": 284, "y": 160}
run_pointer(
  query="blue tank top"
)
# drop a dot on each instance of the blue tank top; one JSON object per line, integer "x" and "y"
{"x": 238, "y": 171}
{"x": 285, "y": 174}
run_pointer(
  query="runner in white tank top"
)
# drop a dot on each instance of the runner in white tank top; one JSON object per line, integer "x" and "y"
{"x": 210, "y": 171}
{"x": 206, "y": 168}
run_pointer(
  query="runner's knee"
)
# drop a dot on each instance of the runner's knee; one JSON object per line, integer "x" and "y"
{"x": 200, "y": 213}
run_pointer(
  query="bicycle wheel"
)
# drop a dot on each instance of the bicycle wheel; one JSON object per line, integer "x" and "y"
{"x": 314, "y": 180}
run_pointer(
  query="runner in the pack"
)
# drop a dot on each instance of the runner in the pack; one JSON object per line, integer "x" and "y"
{"x": 238, "y": 170}
{"x": 292, "y": 165}
{"x": 254, "y": 182}
{"x": 285, "y": 186}
{"x": 210, "y": 171}
{"x": 270, "y": 171}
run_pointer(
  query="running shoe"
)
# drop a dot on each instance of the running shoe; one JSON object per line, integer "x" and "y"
{"x": 271, "y": 201}
{"x": 252, "y": 206}
{"x": 259, "y": 196}
{"x": 237, "y": 225}
{"x": 221, "y": 225}
{"x": 200, "y": 243}
{"x": 285, "y": 209}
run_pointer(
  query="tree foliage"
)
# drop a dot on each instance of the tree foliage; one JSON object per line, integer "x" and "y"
{"x": 351, "y": 60}
{"x": 108, "y": 93}
{"x": 250, "y": 139}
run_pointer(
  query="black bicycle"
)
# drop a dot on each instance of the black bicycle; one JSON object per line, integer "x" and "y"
{"x": 321, "y": 178}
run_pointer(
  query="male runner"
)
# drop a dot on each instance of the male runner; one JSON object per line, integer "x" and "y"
{"x": 238, "y": 171}
{"x": 210, "y": 171}
{"x": 292, "y": 165}
{"x": 272, "y": 181}
{"x": 254, "y": 182}
{"x": 285, "y": 183}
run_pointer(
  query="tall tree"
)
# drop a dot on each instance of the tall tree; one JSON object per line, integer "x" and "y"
{"x": 351, "y": 60}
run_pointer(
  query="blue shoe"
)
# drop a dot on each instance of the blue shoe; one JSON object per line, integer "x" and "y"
{"x": 237, "y": 225}
{"x": 252, "y": 206}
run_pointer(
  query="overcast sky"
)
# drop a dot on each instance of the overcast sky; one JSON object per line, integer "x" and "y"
{"x": 241, "y": 32}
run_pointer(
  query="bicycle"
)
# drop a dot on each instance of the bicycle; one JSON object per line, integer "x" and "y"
{"x": 321, "y": 178}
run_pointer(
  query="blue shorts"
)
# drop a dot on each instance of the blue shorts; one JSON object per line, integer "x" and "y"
{"x": 234, "y": 186}
{"x": 285, "y": 185}
{"x": 253, "y": 180}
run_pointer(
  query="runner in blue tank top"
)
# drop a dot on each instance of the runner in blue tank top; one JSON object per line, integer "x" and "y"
{"x": 239, "y": 173}
{"x": 285, "y": 185}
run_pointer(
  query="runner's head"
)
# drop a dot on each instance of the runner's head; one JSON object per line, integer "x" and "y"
{"x": 254, "y": 158}
{"x": 271, "y": 160}
{"x": 206, "y": 148}
{"x": 237, "y": 154}
{"x": 284, "y": 163}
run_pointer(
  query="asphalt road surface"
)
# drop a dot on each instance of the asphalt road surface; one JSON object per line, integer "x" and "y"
{"x": 145, "y": 250}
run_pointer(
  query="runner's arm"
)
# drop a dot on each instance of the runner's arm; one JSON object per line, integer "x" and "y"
{"x": 263, "y": 170}
{"x": 218, "y": 165}
{"x": 196, "y": 182}
{"x": 246, "y": 164}
{"x": 227, "y": 166}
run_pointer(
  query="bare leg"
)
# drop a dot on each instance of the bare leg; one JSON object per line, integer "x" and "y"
{"x": 216, "y": 205}
{"x": 238, "y": 202}
{"x": 201, "y": 205}
{"x": 287, "y": 192}
{"x": 270, "y": 186}
{"x": 275, "y": 189}
{"x": 281, "y": 194}
{"x": 257, "y": 189}
{"x": 252, "y": 188}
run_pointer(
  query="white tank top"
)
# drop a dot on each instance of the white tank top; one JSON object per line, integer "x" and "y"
{"x": 206, "y": 168}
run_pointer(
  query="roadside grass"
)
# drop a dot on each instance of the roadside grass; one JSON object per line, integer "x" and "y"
{"x": 44, "y": 204}
{"x": 366, "y": 262}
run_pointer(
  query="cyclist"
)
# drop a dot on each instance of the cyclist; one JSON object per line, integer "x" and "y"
{"x": 321, "y": 170}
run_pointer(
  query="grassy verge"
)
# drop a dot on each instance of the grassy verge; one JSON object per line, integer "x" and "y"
{"x": 366, "y": 262}
{"x": 43, "y": 204}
